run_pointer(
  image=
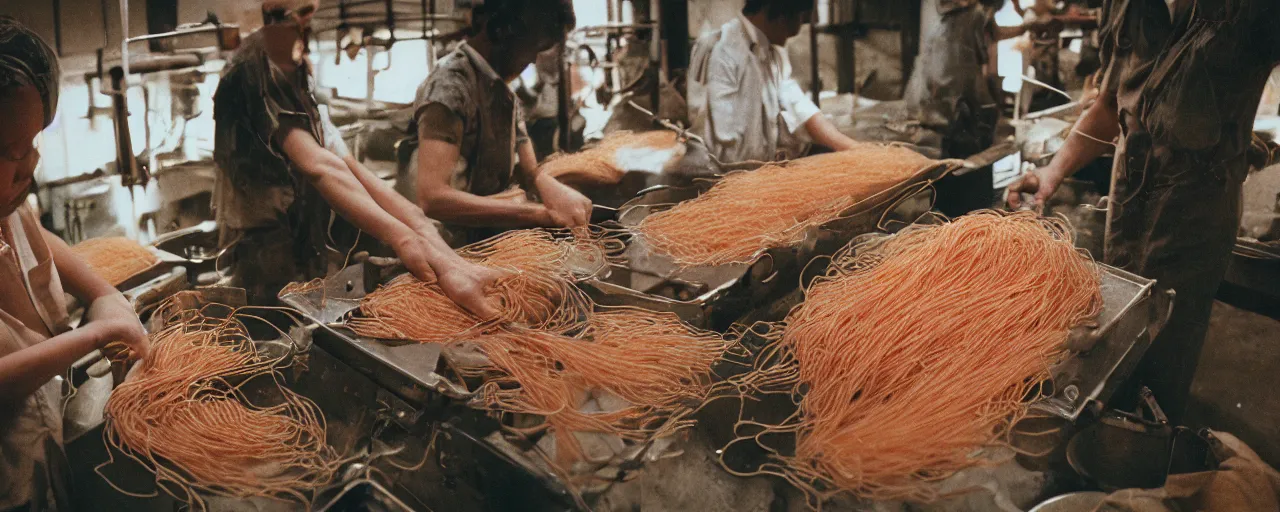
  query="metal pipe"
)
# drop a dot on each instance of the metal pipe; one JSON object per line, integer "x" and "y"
{"x": 126, "y": 163}
{"x": 815, "y": 78}
{"x": 655, "y": 53}
{"x": 203, "y": 29}
{"x": 57, "y": 26}
{"x": 391, "y": 21}
{"x": 562, "y": 110}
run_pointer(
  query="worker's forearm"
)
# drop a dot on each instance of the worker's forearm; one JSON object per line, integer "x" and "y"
{"x": 528, "y": 161}
{"x": 1003, "y": 33}
{"x": 457, "y": 207}
{"x": 348, "y": 198}
{"x": 397, "y": 205}
{"x": 1089, "y": 139}
{"x": 824, "y": 133}
{"x": 23, "y": 372}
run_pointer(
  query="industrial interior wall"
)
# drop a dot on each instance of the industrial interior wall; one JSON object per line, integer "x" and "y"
{"x": 82, "y": 22}
{"x": 880, "y": 52}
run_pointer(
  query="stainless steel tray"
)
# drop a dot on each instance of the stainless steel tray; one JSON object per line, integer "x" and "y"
{"x": 713, "y": 296}
{"x": 406, "y": 369}
{"x": 1133, "y": 312}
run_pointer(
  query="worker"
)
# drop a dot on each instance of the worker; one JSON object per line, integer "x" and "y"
{"x": 36, "y": 267}
{"x": 470, "y": 132}
{"x": 742, "y": 98}
{"x": 278, "y": 185}
{"x": 952, "y": 90}
{"x": 538, "y": 89}
{"x": 1181, "y": 85}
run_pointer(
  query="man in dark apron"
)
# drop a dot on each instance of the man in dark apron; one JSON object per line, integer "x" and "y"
{"x": 954, "y": 94}
{"x": 1180, "y": 90}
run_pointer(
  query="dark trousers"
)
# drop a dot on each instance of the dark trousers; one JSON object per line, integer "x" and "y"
{"x": 1178, "y": 227}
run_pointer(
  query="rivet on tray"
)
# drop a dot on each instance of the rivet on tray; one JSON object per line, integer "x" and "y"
{"x": 1071, "y": 392}
{"x": 350, "y": 286}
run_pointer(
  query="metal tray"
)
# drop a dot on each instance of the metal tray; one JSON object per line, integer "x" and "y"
{"x": 712, "y": 297}
{"x": 1133, "y": 312}
{"x": 406, "y": 369}
{"x": 409, "y": 375}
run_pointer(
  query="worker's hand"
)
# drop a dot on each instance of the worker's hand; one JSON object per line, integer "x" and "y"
{"x": 119, "y": 323}
{"x": 462, "y": 281}
{"x": 1040, "y": 183}
{"x": 413, "y": 253}
{"x": 465, "y": 283}
{"x": 567, "y": 207}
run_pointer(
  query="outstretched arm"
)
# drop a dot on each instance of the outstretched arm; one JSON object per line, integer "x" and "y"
{"x": 1088, "y": 140}
{"x": 110, "y": 318}
{"x": 566, "y": 206}
{"x": 441, "y": 201}
{"x": 423, "y": 253}
{"x": 825, "y": 133}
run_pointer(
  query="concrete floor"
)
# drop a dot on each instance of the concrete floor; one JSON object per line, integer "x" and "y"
{"x": 1234, "y": 386}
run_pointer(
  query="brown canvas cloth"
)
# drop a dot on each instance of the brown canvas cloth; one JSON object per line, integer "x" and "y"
{"x": 1242, "y": 483}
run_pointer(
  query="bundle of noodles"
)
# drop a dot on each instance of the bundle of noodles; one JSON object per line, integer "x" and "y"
{"x": 602, "y": 164}
{"x": 539, "y": 292}
{"x": 116, "y": 259}
{"x": 642, "y": 369}
{"x": 773, "y": 206}
{"x": 919, "y": 350}
{"x": 183, "y": 414}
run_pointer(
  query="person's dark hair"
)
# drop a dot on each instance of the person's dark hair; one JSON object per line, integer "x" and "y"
{"x": 501, "y": 18}
{"x": 776, "y": 9}
{"x": 25, "y": 59}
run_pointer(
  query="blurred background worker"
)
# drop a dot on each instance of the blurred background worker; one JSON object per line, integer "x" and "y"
{"x": 278, "y": 186}
{"x": 953, "y": 88}
{"x": 539, "y": 91}
{"x": 742, "y": 97}
{"x": 1181, "y": 85}
{"x": 36, "y": 267}
{"x": 471, "y": 133}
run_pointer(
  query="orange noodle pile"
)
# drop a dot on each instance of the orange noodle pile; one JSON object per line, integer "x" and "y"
{"x": 184, "y": 415}
{"x": 773, "y": 206}
{"x": 650, "y": 366}
{"x": 599, "y": 165}
{"x": 915, "y": 351}
{"x": 539, "y": 292}
{"x": 116, "y": 259}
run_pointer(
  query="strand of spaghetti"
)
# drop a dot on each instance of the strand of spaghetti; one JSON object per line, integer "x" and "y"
{"x": 646, "y": 370}
{"x": 599, "y": 165}
{"x": 914, "y": 352}
{"x": 184, "y": 416}
{"x": 540, "y": 292}
{"x": 773, "y": 206}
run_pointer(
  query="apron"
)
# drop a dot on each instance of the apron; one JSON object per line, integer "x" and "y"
{"x": 1186, "y": 105}
{"x": 493, "y": 170}
{"x": 33, "y": 466}
{"x": 948, "y": 92}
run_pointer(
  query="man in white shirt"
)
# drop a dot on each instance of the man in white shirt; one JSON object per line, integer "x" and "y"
{"x": 742, "y": 97}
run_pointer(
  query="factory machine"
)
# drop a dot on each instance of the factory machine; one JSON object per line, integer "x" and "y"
{"x": 417, "y": 439}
